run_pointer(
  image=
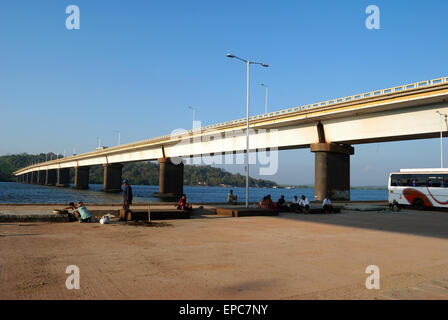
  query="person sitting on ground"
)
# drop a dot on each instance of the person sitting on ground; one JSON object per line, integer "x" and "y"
{"x": 281, "y": 204}
{"x": 304, "y": 204}
{"x": 269, "y": 203}
{"x": 263, "y": 203}
{"x": 295, "y": 203}
{"x": 232, "y": 198}
{"x": 71, "y": 207}
{"x": 326, "y": 204}
{"x": 183, "y": 204}
{"x": 82, "y": 213}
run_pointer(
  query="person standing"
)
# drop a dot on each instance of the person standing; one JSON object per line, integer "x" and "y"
{"x": 127, "y": 200}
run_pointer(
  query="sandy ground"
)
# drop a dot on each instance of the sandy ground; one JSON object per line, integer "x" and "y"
{"x": 209, "y": 257}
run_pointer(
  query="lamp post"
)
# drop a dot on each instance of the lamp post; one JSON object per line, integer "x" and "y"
{"x": 118, "y": 137}
{"x": 248, "y": 63}
{"x": 194, "y": 112}
{"x": 441, "y": 136}
{"x": 266, "y": 104}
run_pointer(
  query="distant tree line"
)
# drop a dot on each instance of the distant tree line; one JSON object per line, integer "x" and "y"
{"x": 138, "y": 173}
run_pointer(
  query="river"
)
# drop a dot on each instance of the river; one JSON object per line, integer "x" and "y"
{"x": 11, "y": 192}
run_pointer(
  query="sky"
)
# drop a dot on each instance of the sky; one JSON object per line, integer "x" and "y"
{"x": 136, "y": 66}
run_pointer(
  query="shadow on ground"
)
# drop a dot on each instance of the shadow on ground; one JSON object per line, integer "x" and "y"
{"x": 421, "y": 223}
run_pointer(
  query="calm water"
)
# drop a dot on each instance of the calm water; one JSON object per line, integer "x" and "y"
{"x": 23, "y": 193}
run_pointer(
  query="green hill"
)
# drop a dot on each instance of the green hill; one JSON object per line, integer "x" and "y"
{"x": 138, "y": 173}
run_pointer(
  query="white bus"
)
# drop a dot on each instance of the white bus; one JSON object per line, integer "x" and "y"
{"x": 419, "y": 188}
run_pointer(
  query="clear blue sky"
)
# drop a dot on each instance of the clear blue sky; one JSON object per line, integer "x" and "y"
{"x": 135, "y": 66}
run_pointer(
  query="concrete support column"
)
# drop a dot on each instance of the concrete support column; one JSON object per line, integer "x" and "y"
{"x": 112, "y": 177}
{"x": 41, "y": 175}
{"x": 171, "y": 179}
{"x": 81, "y": 177}
{"x": 50, "y": 177}
{"x": 63, "y": 177}
{"x": 332, "y": 170}
{"x": 34, "y": 177}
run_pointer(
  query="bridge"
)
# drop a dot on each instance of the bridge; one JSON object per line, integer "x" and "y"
{"x": 328, "y": 129}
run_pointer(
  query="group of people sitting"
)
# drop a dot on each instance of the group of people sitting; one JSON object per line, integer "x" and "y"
{"x": 302, "y": 205}
{"x": 298, "y": 206}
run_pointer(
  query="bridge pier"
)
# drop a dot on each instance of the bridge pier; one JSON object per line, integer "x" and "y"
{"x": 50, "y": 177}
{"x": 63, "y": 177}
{"x": 112, "y": 177}
{"x": 81, "y": 177}
{"x": 332, "y": 170}
{"x": 171, "y": 179}
{"x": 27, "y": 178}
{"x": 34, "y": 177}
{"x": 41, "y": 175}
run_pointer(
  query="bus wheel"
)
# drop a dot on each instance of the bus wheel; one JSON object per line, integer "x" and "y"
{"x": 418, "y": 204}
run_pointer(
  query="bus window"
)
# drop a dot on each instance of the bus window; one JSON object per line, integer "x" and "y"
{"x": 421, "y": 181}
{"x": 445, "y": 181}
{"x": 435, "y": 182}
{"x": 393, "y": 180}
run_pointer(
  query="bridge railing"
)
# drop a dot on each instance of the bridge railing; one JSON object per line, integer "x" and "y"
{"x": 355, "y": 97}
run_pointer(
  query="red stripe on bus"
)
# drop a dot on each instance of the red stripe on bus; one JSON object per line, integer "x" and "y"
{"x": 411, "y": 194}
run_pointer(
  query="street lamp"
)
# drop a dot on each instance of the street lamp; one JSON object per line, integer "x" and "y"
{"x": 266, "y": 104}
{"x": 441, "y": 130}
{"x": 194, "y": 111}
{"x": 118, "y": 136}
{"x": 248, "y": 63}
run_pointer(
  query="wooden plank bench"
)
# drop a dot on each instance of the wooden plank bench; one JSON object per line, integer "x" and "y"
{"x": 155, "y": 214}
{"x": 245, "y": 212}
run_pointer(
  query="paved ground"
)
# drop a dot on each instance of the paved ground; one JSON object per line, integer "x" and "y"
{"x": 208, "y": 257}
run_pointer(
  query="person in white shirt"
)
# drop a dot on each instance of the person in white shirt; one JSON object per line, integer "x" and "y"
{"x": 326, "y": 205}
{"x": 304, "y": 204}
{"x": 294, "y": 204}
